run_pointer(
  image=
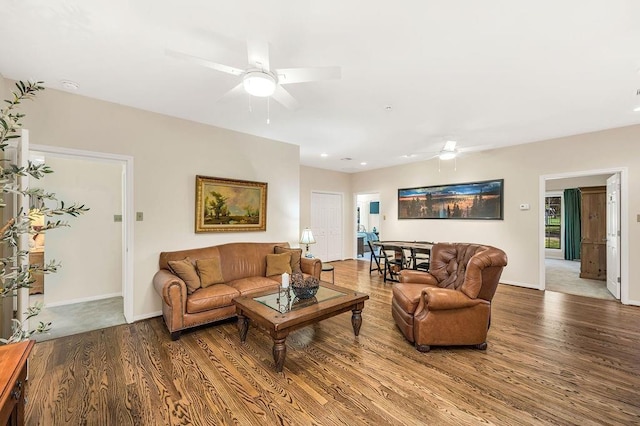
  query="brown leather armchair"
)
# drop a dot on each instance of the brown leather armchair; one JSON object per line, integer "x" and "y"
{"x": 450, "y": 304}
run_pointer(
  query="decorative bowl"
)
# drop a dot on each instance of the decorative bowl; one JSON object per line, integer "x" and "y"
{"x": 305, "y": 289}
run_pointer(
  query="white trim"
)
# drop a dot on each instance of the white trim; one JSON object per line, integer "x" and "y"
{"x": 127, "y": 210}
{"x": 147, "y": 316}
{"x": 624, "y": 224}
{"x": 82, "y": 299}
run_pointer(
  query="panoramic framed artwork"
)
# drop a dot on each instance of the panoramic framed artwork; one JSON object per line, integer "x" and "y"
{"x": 229, "y": 205}
{"x": 473, "y": 200}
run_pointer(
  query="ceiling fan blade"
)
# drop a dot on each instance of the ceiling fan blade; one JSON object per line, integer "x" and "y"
{"x": 204, "y": 62}
{"x": 283, "y": 97}
{"x": 258, "y": 52}
{"x": 302, "y": 75}
{"x": 449, "y": 146}
{"x": 236, "y": 91}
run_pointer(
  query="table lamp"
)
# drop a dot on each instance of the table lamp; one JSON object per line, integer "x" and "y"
{"x": 306, "y": 239}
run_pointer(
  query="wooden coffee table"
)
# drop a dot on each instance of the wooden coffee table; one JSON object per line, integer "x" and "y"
{"x": 279, "y": 315}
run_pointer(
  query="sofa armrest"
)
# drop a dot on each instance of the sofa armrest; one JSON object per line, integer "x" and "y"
{"x": 436, "y": 299}
{"x": 417, "y": 277}
{"x": 171, "y": 288}
{"x": 311, "y": 266}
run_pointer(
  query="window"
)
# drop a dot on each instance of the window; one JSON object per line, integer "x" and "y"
{"x": 552, "y": 222}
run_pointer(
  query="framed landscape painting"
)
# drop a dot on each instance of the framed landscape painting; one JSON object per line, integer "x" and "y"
{"x": 474, "y": 200}
{"x": 228, "y": 205}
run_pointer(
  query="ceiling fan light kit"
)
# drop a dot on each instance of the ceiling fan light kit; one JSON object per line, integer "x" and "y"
{"x": 447, "y": 155}
{"x": 259, "y": 83}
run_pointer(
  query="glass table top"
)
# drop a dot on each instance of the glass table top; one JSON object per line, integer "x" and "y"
{"x": 285, "y": 300}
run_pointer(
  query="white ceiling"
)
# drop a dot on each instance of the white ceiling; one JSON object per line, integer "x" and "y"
{"x": 485, "y": 73}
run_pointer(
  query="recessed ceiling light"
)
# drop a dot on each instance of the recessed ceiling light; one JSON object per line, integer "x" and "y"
{"x": 364, "y": 163}
{"x": 346, "y": 159}
{"x": 408, "y": 155}
{"x": 324, "y": 154}
{"x": 69, "y": 85}
{"x": 388, "y": 108}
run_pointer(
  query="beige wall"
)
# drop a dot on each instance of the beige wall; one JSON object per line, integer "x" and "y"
{"x": 520, "y": 167}
{"x": 576, "y": 182}
{"x": 168, "y": 153}
{"x": 90, "y": 249}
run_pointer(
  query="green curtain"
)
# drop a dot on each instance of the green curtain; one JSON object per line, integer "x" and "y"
{"x": 572, "y": 234}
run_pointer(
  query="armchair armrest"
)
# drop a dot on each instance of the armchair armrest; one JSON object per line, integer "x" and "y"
{"x": 436, "y": 298}
{"x": 417, "y": 277}
{"x": 171, "y": 288}
{"x": 311, "y": 266}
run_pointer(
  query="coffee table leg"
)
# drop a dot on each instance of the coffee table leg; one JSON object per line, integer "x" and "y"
{"x": 279, "y": 353}
{"x": 356, "y": 321}
{"x": 243, "y": 327}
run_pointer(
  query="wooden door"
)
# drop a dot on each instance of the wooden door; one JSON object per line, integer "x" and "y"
{"x": 593, "y": 246}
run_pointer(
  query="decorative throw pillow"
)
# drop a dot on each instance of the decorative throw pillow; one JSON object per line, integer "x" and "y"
{"x": 187, "y": 272}
{"x": 296, "y": 254}
{"x": 210, "y": 271}
{"x": 278, "y": 264}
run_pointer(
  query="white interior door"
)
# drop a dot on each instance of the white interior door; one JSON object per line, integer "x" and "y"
{"x": 613, "y": 235}
{"x": 326, "y": 225}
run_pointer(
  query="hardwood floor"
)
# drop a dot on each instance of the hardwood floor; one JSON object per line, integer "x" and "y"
{"x": 552, "y": 359}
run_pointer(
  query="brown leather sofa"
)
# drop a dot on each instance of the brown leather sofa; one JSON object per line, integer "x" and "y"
{"x": 243, "y": 268}
{"x": 450, "y": 304}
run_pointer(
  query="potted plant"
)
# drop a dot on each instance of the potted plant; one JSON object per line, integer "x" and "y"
{"x": 15, "y": 273}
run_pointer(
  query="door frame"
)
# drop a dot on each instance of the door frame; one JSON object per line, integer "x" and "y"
{"x": 624, "y": 223}
{"x": 127, "y": 212}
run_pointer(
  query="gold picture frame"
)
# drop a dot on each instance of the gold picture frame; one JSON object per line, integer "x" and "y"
{"x": 230, "y": 205}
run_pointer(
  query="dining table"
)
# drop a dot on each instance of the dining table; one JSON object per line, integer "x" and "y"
{"x": 412, "y": 246}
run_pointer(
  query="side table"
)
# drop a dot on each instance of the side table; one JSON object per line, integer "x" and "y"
{"x": 326, "y": 267}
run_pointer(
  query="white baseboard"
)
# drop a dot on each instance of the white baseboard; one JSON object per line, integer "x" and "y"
{"x": 518, "y": 284}
{"x": 633, "y": 302}
{"x": 147, "y": 316}
{"x": 83, "y": 299}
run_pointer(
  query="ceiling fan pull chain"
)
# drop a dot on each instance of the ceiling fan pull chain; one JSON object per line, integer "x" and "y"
{"x": 268, "y": 111}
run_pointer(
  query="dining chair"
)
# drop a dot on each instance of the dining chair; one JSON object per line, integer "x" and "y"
{"x": 376, "y": 256}
{"x": 394, "y": 261}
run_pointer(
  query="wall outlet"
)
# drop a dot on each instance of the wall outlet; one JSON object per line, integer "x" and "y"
{"x": 525, "y": 206}
{"x": 139, "y": 216}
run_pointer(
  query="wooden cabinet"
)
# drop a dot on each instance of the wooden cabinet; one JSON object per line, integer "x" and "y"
{"x": 593, "y": 245}
{"x": 13, "y": 381}
{"x": 37, "y": 258}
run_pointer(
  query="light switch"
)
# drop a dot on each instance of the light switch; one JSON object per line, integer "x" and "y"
{"x": 638, "y": 218}
{"x": 139, "y": 216}
{"x": 117, "y": 218}
{"x": 524, "y": 206}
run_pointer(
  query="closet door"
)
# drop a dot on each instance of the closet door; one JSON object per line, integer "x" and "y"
{"x": 326, "y": 225}
{"x": 593, "y": 246}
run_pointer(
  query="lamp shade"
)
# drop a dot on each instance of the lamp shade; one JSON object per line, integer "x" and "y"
{"x": 307, "y": 237}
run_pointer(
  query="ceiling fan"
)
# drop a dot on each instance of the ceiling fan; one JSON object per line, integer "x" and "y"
{"x": 259, "y": 80}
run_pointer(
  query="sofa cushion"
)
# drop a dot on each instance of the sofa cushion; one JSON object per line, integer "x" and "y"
{"x": 187, "y": 272}
{"x": 210, "y": 271}
{"x": 252, "y": 285}
{"x": 278, "y": 264}
{"x": 296, "y": 254}
{"x": 212, "y": 297}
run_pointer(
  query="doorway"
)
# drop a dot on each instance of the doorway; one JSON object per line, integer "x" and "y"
{"x": 559, "y": 274}
{"x": 367, "y": 223}
{"x": 93, "y": 289}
